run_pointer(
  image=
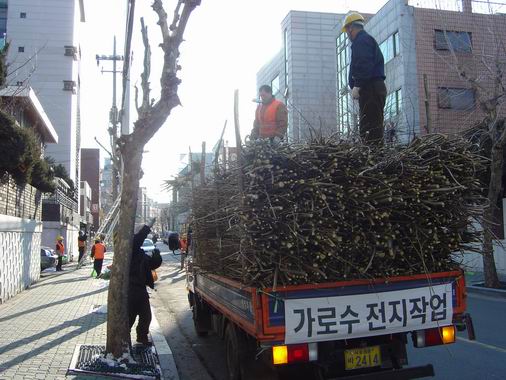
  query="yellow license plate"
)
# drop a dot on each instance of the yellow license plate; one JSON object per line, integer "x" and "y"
{"x": 362, "y": 357}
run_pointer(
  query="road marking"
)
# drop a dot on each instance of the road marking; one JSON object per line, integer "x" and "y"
{"x": 489, "y": 346}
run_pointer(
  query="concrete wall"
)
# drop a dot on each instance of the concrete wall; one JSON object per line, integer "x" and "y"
{"x": 19, "y": 254}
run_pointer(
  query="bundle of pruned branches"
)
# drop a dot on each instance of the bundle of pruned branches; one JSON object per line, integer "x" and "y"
{"x": 336, "y": 210}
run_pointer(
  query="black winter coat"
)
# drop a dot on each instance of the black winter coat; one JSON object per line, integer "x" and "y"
{"x": 142, "y": 264}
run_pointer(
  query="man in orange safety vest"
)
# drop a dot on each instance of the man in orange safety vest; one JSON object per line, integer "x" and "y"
{"x": 98, "y": 252}
{"x": 271, "y": 117}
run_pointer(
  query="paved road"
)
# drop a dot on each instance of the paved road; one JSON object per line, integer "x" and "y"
{"x": 204, "y": 358}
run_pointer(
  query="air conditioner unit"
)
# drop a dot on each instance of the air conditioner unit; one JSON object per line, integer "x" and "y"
{"x": 69, "y": 85}
{"x": 71, "y": 51}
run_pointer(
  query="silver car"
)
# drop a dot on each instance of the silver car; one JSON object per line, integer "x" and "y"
{"x": 148, "y": 246}
{"x": 48, "y": 259}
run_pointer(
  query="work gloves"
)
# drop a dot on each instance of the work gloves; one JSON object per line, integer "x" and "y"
{"x": 355, "y": 93}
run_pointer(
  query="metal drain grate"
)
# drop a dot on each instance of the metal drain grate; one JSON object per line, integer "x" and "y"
{"x": 86, "y": 359}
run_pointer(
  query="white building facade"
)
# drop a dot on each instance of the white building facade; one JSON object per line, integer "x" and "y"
{"x": 45, "y": 54}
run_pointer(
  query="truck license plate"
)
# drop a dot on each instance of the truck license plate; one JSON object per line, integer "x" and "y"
{"x": 362, "y": 357}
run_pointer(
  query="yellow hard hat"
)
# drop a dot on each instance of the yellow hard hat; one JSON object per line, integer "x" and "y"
{"x": 59, "y": 238}
{"x": 351, "y": 17}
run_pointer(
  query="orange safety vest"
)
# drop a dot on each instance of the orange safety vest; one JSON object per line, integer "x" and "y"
{"x": 60, "y": 248}
{"x": 99, "y": 251}
{"x": 266, "y": 116}
{"x": 183, "y": 244}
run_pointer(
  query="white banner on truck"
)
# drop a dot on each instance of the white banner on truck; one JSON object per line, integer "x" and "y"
{"x": 346, "y": 317}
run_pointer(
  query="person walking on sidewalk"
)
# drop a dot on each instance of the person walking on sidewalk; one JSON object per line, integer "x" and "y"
{"x": 60, "y": 251}
{"x": 141, "y": 275}
{"x": 366, "y": 78}
{"x": 81, "y": 243}
{"x": 98, "y": 253}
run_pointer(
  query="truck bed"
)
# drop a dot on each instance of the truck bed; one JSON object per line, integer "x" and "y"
{"x": 261, "y": 312}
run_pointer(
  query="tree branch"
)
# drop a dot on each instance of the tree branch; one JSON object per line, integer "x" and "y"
{"x": 162, "y": 18}
{"x": 147, "y": 68}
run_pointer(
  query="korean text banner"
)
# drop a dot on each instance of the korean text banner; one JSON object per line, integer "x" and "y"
{"x": 337, "y": 318}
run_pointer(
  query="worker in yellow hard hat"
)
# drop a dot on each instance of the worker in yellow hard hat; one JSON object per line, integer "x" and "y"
{"x": 366, "y": 78}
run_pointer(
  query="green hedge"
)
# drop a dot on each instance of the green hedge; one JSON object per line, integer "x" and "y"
{"x": 21, "y": 156}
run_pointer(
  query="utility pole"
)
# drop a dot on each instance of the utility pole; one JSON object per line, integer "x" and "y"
{"x": 113, "y": 119}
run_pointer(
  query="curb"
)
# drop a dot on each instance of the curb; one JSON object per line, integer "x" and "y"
{"x": 496, "y": 293}
{"x": 167, "y": 363}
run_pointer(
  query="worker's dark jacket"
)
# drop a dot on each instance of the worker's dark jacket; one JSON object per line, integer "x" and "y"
{"x": 142, "y": 264}
{"x": 367, "y": 64}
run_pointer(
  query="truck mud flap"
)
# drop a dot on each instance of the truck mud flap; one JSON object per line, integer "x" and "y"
{"x": 396, "y": 374}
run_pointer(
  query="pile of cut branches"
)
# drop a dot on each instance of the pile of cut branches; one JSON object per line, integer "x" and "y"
{"x": 328, "y": 211}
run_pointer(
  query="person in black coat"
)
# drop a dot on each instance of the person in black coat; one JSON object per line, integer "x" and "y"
{"x": 141, "y": 276}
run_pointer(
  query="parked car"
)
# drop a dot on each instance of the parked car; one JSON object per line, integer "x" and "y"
{"x": 148, "y": 246}
{"x": 48, "y": 258}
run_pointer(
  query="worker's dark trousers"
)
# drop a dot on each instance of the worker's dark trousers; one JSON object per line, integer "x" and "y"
{"x": 371, "y": 103}
{"x": 60, "y": 262}
{"x": 138, "y": 305}
{"x": 81, "y": 253}
{"x": 97, "y": 265}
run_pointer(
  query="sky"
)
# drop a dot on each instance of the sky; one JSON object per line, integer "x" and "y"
{"x": 226, "y": 43}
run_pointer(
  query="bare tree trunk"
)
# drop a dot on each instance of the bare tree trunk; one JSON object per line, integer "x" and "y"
{"x": 151, "y": 116}
{"x": 494, "y": 191}
{"x": 118, "y": 338}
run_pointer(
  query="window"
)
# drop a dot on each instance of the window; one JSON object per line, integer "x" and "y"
{"x": 393, "y": 104}
{"x": 344, "y": 102}
{"x": 22, "y": 15}
{"x": 71, "y": 51}
{"x": 21, "y": 49}
{"x": 285, "y": 41}
{"x": 275, "y": 85}
{"x": 390, "y": 48}
{"x": 455, "y": 98}
{"x": 460, "y": 42}
{"x": 69, "y": 85}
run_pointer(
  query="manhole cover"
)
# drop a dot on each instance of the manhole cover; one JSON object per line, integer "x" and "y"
{"x": 89, "y": 359}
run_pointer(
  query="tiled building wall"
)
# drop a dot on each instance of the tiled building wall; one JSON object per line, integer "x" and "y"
{"x": 396, "y": 17}
{"x": 439, "y": 66}
{"x": 311, "y": 48}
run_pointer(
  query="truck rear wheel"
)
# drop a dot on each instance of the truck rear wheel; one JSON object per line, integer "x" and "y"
{"x": 240, "y": 352}
{"x": 201, "y": 317}
{"x": 233, "y": 353}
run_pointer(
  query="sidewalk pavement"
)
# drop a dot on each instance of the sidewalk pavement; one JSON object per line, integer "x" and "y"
{"x": 41, "y": 326}
{"x": 474, "y": 279}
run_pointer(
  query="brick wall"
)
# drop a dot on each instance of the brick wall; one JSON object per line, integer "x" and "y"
{"x": 439, "y": 65}
{"x": 20, "y": 201}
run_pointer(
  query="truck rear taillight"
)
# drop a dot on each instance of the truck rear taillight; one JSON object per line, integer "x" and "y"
{"x": 434, "y": 337}
{"x": 294, "y": 353}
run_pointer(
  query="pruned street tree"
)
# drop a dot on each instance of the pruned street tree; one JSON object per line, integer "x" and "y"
{"x": 484, "y": 71}
{"x": 151, "y": 116}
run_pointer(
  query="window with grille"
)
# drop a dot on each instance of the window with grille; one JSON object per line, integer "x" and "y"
{"x": 460, "y": 42}
{"x": 456, "y": 98}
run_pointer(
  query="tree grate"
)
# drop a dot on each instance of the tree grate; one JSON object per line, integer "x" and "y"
{"x": 87, "y": 359}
